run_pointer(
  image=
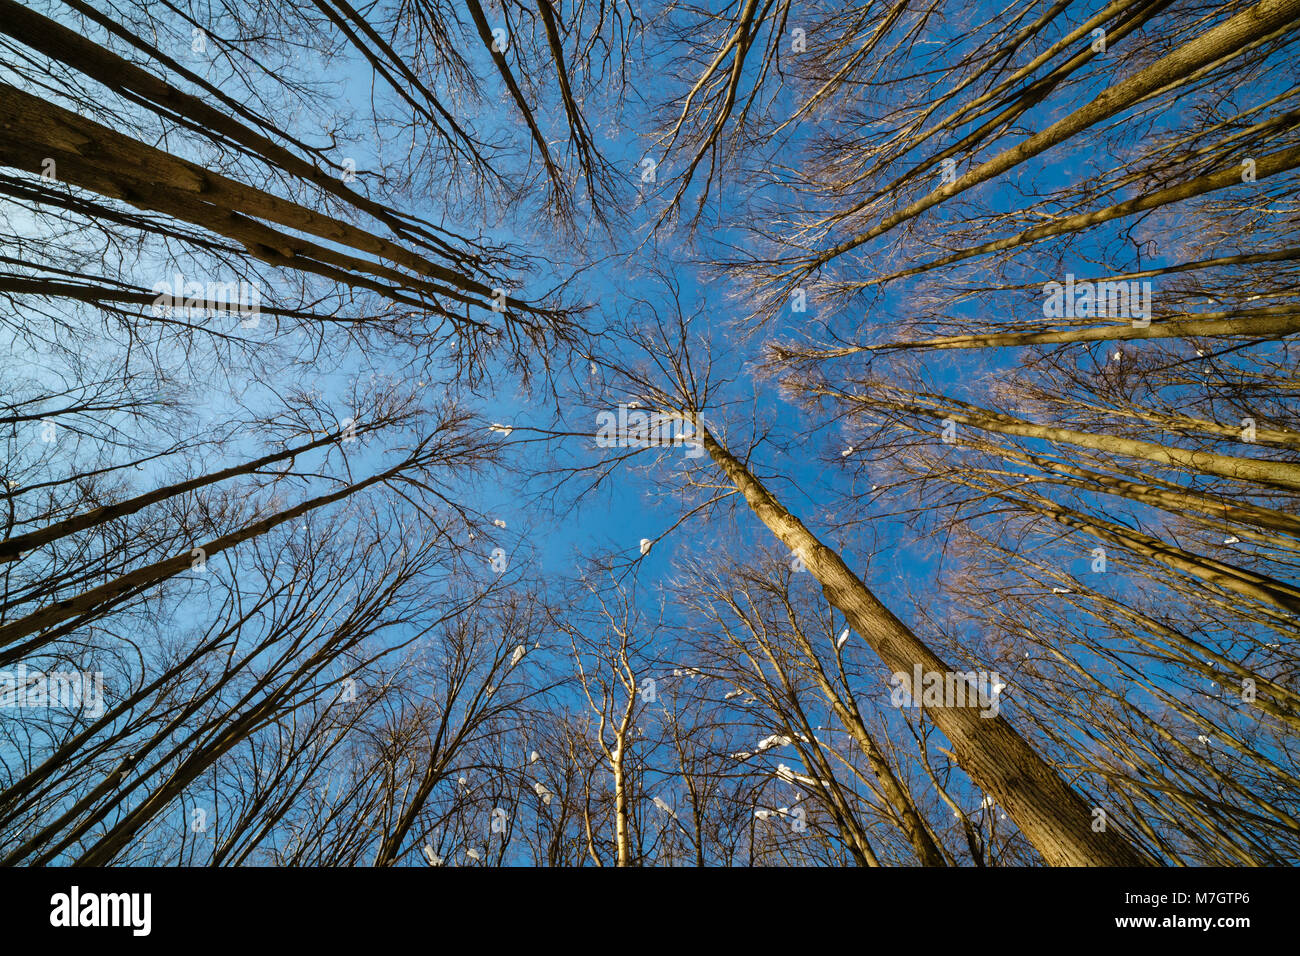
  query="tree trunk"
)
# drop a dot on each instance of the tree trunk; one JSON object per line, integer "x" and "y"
{"x": 1050, "y": 814}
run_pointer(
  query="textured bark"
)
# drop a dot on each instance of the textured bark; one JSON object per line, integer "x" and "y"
{"x": 1172, "y": 498}
{"x": 1034, "y": 93}
{"x": 78, "y": 51}
{"x": 1276, "y": 474}
{"x": 1050, "y": 814}
{"x": 1262, "y": 323}
{"x": 1222, "y": 41}
{"x": 104, "y": 161}
{"x": 621, "y": 803}
{"x": 1270, "y": 165}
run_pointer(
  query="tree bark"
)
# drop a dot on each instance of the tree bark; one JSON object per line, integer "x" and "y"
{"x": 1050, "y": 814}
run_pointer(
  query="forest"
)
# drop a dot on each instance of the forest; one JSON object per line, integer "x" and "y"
{"x": 644, "y": 433}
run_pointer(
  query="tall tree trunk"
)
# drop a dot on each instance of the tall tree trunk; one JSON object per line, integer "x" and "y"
{"x": 1050, "y": 814}
{"x": 621, "y": 837}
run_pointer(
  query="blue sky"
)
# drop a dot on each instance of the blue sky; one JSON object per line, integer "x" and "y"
{"x": 802, "y": 455}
